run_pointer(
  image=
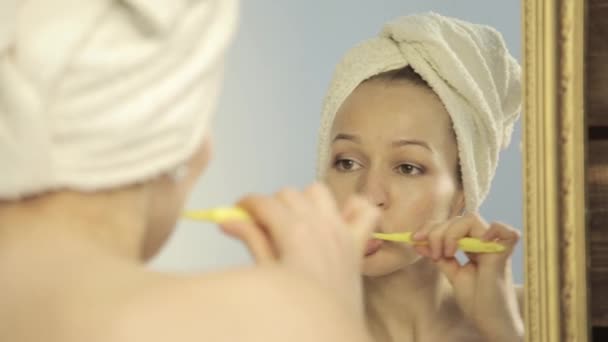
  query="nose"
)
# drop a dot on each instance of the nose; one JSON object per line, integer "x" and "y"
{"x": 373, "y": 186}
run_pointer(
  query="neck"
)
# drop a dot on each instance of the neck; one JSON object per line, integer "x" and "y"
{"x": 407, "y": 302}
{"x": 110, "y": 221}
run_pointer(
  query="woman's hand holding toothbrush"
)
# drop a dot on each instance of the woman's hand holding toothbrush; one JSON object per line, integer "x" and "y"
{"x": 305, "y": 232}
{"x": 484, "y": 285}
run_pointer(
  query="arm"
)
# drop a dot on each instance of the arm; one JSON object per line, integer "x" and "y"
{"x": 521, "y": 295}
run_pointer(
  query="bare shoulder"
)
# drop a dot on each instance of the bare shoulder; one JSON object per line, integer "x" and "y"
{"x": 242, "y": 305}
{"x": 105, "y": 300}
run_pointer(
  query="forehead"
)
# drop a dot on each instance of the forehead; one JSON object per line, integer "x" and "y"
{"x": 381, "y": 110}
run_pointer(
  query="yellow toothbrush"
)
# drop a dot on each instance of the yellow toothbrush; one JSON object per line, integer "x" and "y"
{"x": 220, "y": 215}
{"x": 466, "y": 244}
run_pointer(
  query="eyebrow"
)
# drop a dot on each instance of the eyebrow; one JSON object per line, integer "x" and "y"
{"x": 349, "y": 137}
{"x": 406, "y": 142}
{"x": 396, "y": 143}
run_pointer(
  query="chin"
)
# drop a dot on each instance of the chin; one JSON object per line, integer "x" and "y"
{"x": 388, "y": 260}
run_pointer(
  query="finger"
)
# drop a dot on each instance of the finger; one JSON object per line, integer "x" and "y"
{"x": 473, "y": 257}
{"x": 293, "y": 199}
{"x": 449, "y": 267}
{"x": 460, "y": 227}
{"x": 321, "y": 197}
{"x": 352, "y": 206}
{"x": 470, "y": 225}
{"x": 425, "y": 251}
{"x": 476, "y": 224}
{"x": 498, "y": 264}
{"x": 436, "y": 240}
{"x": 364, "y": 220}
{"x": 506, "y": 235}
{"x": 269, "y": 213}
{"x": 255, "y": 239}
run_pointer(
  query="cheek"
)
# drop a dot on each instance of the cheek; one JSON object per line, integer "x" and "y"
{"x": 164, "y": 210}
{"x": 156, "y": 238}
{"x": 424, "y": 202}
{"x": 161, "y": 224}
{"x": 341, "y": 187}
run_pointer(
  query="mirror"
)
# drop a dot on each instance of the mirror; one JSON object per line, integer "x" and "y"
{"x": 279, "y": 69}
{"x": 277, "y": 75}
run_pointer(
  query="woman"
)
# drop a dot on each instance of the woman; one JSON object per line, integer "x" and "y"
{"x": 104, "y": 110}
{"x": 414, "y": 120}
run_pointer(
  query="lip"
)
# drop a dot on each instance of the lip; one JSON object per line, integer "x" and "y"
{"x": 373, "y": 246}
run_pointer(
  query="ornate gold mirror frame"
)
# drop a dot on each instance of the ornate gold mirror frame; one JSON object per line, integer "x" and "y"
{"x": 554, "y": 171}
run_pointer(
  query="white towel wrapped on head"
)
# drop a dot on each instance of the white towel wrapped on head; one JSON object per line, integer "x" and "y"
{"x": 96, "y": 94}
{"x": 469, "y": 68}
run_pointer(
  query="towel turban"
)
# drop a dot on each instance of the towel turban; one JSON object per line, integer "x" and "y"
{"x": 96, "y": 94}
{"x": 469, "y": 68}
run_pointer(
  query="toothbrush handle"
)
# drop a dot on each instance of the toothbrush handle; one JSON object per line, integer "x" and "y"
{"x": 477, "y": 246}
{"x": 467, "y": 244}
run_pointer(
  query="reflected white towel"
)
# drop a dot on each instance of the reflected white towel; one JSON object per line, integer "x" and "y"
{"x": 101, "y": 93}
{"x": 469, "y": 68}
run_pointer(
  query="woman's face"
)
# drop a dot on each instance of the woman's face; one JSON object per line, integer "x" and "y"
{"x": 393, "y": 142}
{"x": 167, "y": 200}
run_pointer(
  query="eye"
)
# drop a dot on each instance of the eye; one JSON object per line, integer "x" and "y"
{"x": 409, "y": 169}
{"x": 346, "y": 165}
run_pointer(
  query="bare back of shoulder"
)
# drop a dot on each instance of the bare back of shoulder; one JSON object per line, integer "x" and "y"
{"x": 108, "y": 301}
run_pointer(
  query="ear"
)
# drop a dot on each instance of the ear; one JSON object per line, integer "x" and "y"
{"x": 458, "y": 204}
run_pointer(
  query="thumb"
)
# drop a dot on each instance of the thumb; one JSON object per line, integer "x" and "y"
{"x": 363, "y": 217}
